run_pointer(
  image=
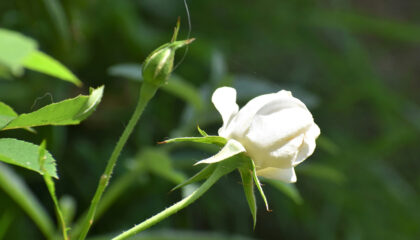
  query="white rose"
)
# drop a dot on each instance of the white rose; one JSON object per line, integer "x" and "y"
{"x": 276, "y": 130}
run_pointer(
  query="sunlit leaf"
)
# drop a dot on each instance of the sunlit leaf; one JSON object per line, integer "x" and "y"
{"x": 67, "y": 112}
{"x": 14, "y": 47}
{"x": 18, "y": 51}
{"x": 7, "y": 114}
{"x": 41, "y": 62}
{"x": 25, "y": 154}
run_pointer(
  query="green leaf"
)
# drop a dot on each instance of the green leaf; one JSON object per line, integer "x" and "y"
{"x": 288, "y": 189}
{"x": 25, "y": 154}
{"x": 14, "y": 47}
{"x": 7, "y": 114}
{"x": 67, "y": 112}
{"x": 18, "y": 51}
{"x": 16, "y": 188}
{"x": 231, "y": 149}
{"x": 248, "y": 184}
{"x": 220, "y": 141}
{"x": 41, "y": 62}
{"x": 6, "y": 110}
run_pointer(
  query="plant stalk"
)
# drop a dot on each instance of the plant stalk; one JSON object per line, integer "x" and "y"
{"x": 173, "y": 209}
{"x": 147, "y": 91}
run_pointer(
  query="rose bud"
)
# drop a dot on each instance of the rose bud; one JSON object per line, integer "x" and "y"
{"x": 158, "y": 65}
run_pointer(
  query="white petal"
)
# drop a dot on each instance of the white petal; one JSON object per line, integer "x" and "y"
{"x": 224, "y": 99}
{"x": 284, "y": 156}
{"x": 283, "y": 174}
{"x": 241, "y": 122}
{"x": 308, "y": 145}
{"x": 278, "y": 128}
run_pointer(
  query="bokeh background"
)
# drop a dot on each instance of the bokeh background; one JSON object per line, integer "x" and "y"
{"x": 356, "y": 64}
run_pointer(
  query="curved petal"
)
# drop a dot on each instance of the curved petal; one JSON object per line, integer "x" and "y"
{"x": 283, "y": 156}
{"x": 282, "y": 174}
{"x": 241, "y": 122}
{"x": 224, "y": 99}
{"x": 278, "y": 128}
{"x": 308, "y": 145}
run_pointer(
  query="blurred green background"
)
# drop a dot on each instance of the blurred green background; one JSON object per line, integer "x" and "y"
{"x": 356, "y": 64}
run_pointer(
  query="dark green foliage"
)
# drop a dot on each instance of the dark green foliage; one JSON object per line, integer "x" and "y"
{"x": 354, "y": 63}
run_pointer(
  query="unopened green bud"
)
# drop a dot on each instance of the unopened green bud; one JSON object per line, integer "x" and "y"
{"x": 159, "y": 64}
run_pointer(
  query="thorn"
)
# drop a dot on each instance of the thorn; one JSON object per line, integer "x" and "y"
{"x": 163, "y": 142}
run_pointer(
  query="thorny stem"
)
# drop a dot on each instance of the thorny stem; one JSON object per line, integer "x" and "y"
{"x": 146, "y": 93}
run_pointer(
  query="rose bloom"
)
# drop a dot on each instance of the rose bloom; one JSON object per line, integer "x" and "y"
{"x": 277, "y": 130}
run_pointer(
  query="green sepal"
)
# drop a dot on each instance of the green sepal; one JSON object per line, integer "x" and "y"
{"x": 222, "y": 168}
{"x": 220, "y": 141}
{"x": 248, "y": 185}
{"x": 202, "y": 132}
{"x": 203, "y": 174}
{"x": 257, "y": 182}
{"x": 176, "y": 30}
